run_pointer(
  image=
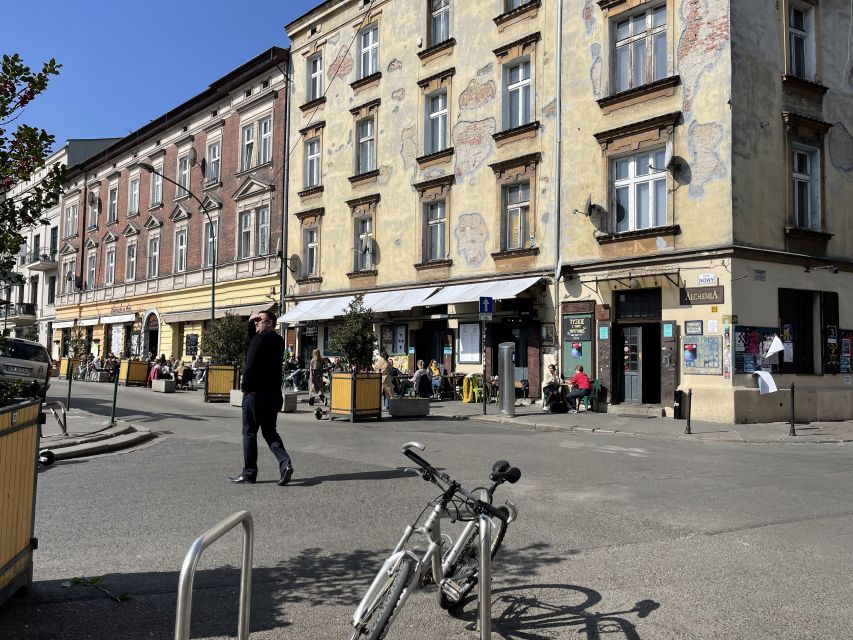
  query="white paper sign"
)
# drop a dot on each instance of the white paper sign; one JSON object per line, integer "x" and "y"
{"x": 713, "y": 326}
{"x": 775, "y": 347}
{"x": 766, "y": 384}
{"x": 470, "y": 347}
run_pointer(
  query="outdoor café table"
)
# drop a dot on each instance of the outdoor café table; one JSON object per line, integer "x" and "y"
{"x": 452, "y": 378}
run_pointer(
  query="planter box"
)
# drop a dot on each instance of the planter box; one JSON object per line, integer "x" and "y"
{"x": 408, "y": 407}
{"x": 19, "y": 445}
{"x": 356, "y": 396}
{"x": 133, "y": 373}
{"x": 163, "y": 386}
{"x": 67, "y": 366}
{"x": 219, "y": 382}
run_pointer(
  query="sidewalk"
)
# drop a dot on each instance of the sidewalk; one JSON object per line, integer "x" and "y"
{"x": 89, "y": 434}
{"x": 532, "y": 417}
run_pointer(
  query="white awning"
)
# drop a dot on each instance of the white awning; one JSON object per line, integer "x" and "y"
{"x": 88, "y": 322}
{"x": 496, "y": 289}
{"x": 63, "y": 324}
{"x": 319, "y": 309}
{"x": 400, "y": 300}
{"x": 127, "y": 317}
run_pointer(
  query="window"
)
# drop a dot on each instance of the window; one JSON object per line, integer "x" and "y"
{"x": 91, "y": 267}
{"x": 363, "y": 244}
{"x": 51, "y": 289}
{"x": 266, "y": 140}
{"x": 436, "y": 129}
{"x": 112, "y": 205}
{"x": 515, "y": 4}
{"x": 315, "y": 77}
{"x": 93, "y": 213}
{"x": 69, "y": 273}
{"x": 365, "y": 159}
{"x": 806, "y": 176}
{"x": 130, "y": 263}
{"x": 808, "y": 324}
{"x": 70, "y": 220}
{"x": 110, "y": 266}
{"x": 640, "y": 49}
{"x": 244, "y": 241}
{"x": 133, "y": 197}
{"x": 183, "y": 176}
{"x": 439, "y": 21}
{"x": 263, "y": 215}
{"x": 801, "y": 41}
{"x": 210, "y": 238}
{"x": 312, "y": 163}
{"x": 54, "y": 242}
{"x": 157, "y": 186}
{"x": 516, "y": 209}
{"x": 517, "y": 95}
{"x": 434, "y": 233}
{"x": 640, "y": 191}
{"x": 248, "y": 146}
{"x": 369, "y": 51}
{"x": 213, "y": 161}
{"x": 309, "y": 253}
{"x": 153, "y": 256}
{"x": 181, "y": 251}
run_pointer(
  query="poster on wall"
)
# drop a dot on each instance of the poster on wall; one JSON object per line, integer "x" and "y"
{"x": 703, "y": 355}
{"x": 117, "y": 340}
{"x": 470, "y": 345}
{"x": 750, "y": 343}
{"x": 846, "y": 351}
{"x": 327, "y": 336}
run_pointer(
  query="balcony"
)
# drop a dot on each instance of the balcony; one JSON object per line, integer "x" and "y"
{"x": 19, "y": 314}
{"x": 41, "y": 260}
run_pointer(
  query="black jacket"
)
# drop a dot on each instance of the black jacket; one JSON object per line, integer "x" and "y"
{"x": 262, "y": 370}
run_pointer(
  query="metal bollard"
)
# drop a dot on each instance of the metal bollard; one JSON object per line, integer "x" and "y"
{"x": 792, "y": 431}
{"x": 506, "y": 378}
{"x": 485, "y": 581}
{"x": 70, "y": 377}
{"x": 689, "y": 410}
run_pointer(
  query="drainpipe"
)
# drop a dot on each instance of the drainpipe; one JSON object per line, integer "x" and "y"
{"x": 558, "y": 261}
{"x": 288, "y": 76}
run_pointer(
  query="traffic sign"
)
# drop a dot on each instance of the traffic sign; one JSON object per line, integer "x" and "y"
{"x": 486, "y": 307}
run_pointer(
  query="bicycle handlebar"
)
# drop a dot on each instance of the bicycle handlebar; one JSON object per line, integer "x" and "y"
{"x": 479, "y": 505}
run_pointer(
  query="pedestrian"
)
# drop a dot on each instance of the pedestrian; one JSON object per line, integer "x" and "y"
{"x": 385, "y": 367}
{"x": 316, "y": 369}
{"x": 262, "y": 399}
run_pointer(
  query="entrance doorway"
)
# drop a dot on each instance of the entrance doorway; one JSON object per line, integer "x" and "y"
{"x": 637, "y": 347}
{"x": 152, "y": 334}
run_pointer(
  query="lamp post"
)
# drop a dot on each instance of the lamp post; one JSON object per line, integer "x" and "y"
{"x": 151, "y": 169}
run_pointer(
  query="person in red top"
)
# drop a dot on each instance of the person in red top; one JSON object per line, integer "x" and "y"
{"x": 579, "y": 387}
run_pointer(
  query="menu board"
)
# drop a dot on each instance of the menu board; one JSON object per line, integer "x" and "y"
{"x": 470, "y": 344}
{"x": 191, "y": 348}
{"x": 750, "y": 343}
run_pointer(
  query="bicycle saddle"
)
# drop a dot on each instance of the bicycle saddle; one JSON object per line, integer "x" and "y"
{"x": 503, "y": 472}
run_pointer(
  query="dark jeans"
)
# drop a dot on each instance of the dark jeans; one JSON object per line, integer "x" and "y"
{"x": 573, "y": 396}
{"x": 260, "y": 411}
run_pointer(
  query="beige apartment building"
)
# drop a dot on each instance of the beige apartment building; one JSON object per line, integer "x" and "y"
{"x": 699, "y": 207}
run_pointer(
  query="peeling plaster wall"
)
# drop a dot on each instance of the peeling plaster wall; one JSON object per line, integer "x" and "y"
{"x": 473, "y": 220}
{"x": 761, "y": 179}
{"x": 700, "y": 197}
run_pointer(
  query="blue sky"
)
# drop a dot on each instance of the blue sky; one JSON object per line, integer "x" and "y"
{"x": 125, "y": 63}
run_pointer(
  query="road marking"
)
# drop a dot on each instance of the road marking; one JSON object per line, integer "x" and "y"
{"x": 633, "y": 452}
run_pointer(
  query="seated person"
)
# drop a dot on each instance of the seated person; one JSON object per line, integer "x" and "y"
{"x": 580, "y": 386}
{"x": 435, "y": 377}
{"x": 421, "y": 382}
{"x": 166, "y": 372}
{"x": 199, "y": 367}
{"x": 551, "y": 384}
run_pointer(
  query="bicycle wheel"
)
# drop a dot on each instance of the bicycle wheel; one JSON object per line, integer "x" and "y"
{"x": 375, "y": 627}
{"x": 465, "y": 570}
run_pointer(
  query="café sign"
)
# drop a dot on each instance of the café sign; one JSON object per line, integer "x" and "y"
{"x": 701, "y": 295}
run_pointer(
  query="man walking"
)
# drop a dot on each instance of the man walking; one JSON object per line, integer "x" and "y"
{"x": 262, "y": 398}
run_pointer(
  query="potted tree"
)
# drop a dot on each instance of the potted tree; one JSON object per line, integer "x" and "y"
{"x": 77, "y": 350}
{"x": 224, "y": 344}
{"x": 356, "y": 394}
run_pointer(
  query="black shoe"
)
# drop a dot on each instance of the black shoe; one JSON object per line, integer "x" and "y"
{"x": 286, "y": 476}
{"x": 242, "y": 479}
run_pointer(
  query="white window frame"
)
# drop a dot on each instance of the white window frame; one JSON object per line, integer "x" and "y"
{"x": 368, "y": 51}
{"x": 71, "y": 219}
{"x": 69, "y": 266}
{"x": 210, "y": 240}
{"x": 153, "y": 263}
{"x": 365, "y": 157}
{"x": 510, "y": 210}
{"x": 110, "y": 266}
{"x": 182, "y": 189}
{"x": 312, "y": 163}
{"x": 432, "y": 252}
{"x": 244, "y": 235}
{"x": 363, "y": 244}
{"x": 133, "y": 196}
{"x": 310, "y": 251}
{"x": 93, "y": 213}
{"x": 214, "y": 161}
{"x": 130, "y": 262}
{"x": 181, "y": 244}
{"x": 809, "y": 179}
{"x": 265, "y": 150}
{"x": 650, "y": 68}
{"x": 518, "y": 94}
{"x": 112, "y": 204}
{"x": 91, "y": 268}
{"x": 315, "y": 77}
{"x": 436, "y": 125}
{"x": 645, "y": 175}
{"x": 262, "y": 229}
{"x": 439, "y": 24}
{"x": 247, "y": 146}
{"x": 807, "y": 67}
{"x": 157, "y": 186}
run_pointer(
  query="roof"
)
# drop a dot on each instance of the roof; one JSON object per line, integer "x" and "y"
{"x": 318, "y": 9}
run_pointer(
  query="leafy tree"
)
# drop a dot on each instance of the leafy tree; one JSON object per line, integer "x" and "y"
{"x": 225, "y": 341}
{"x": 22, "y": 154}
{"x": 354, "y": 338}
{"x": 78, "y": 347}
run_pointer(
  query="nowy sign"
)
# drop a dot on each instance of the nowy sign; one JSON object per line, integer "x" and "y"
{"x": 707, "y": 278}
{"x": 701, "y": 295}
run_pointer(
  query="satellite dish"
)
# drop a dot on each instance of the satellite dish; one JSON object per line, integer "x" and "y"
{"x": 193, "y": 157}
{"x": 587, "y": 207}
{"x": 293, "y": 263}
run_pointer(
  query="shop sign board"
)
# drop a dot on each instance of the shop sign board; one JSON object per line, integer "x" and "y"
{"x": 701, "y": 295}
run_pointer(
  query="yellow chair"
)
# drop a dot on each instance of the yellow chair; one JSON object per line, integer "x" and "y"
{"x": 477, "y": 387}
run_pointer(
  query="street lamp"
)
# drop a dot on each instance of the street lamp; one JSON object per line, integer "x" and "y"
{"x": 150, "y": 169}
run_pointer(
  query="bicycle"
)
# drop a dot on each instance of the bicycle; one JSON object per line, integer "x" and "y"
{"x": 453, "y": 565}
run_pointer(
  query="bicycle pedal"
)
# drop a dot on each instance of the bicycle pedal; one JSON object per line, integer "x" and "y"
{"x": 427, "y": 579}
{"x": 452, "y": 589}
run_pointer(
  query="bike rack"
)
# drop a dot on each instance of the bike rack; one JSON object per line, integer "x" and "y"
{"x": 185, "y": 582}
{"x": 485, "y": 582}
{"x": 53, "y": 405}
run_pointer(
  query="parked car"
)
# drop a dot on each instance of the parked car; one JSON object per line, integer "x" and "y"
{"x": 25, "y": 360}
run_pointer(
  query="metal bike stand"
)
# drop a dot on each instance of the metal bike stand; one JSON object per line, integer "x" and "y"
{"x": 185, "y": 582}
{"x": 485, "y": 582}
{"x": 55, "y": 405}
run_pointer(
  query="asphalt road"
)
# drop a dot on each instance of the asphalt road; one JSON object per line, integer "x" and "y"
{"x": 618, "y": 536}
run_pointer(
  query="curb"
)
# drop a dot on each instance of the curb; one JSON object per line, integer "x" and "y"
{"x": 129, "y": 437}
